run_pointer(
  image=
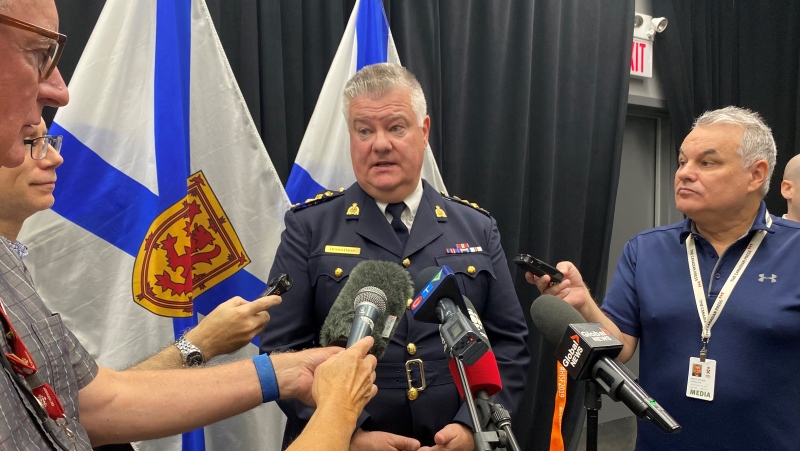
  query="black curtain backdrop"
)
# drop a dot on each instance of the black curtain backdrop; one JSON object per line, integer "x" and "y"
{"x": 716, "y": 53}
{"x": 527, "y": 102}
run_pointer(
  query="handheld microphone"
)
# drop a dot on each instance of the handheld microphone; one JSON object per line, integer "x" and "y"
{"x": 440, "y": 301}
{"x": 370, "y": 303}
{"x": 390, "y": 278}
{"x": 588, "y": 352}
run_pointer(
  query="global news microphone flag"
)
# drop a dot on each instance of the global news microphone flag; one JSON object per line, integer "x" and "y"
{"x": 323, "y": 160}
{"x": 167, "y": 202}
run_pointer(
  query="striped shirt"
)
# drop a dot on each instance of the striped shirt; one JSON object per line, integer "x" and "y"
{"x": 61, "y": 360}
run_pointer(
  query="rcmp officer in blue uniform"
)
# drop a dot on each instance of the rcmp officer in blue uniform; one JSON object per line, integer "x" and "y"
{"x": 326, "y": 237}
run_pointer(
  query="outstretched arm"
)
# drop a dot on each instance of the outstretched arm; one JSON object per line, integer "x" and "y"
{"x": 573, "y": 291}
{"x": 226, "y": 329}
{"x": 343, "y": 385}
{"x": 123, "y": 406}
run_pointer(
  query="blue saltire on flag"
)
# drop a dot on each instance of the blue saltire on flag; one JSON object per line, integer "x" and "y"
{"x": 161, "y": 159}
{"x": 323, "y": 160}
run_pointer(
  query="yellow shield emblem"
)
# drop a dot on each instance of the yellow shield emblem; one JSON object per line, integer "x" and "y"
{"x": 188, "y": 249}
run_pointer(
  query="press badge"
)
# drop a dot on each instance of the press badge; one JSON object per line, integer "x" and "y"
{"x": 700, "y": 380}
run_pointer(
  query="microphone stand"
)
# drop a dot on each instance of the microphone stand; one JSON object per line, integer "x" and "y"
{"x": 502, "y": 420}
{"x": 481, "y": 439}
{"x": 487, "y": 440}
{"x": 593, "y": 402}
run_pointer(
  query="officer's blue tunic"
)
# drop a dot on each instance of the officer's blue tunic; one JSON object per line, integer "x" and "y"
{"x": 483, "y": 277}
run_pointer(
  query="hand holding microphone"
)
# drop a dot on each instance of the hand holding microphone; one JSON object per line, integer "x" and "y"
{"x": 346, "y": 380}
{"x": 369, "y": 305}
{"x": 571, "y": 289}
{"x": 372, "y": 302}
{"x": 234, "y": 323}
{"x": 231, "y": 325}
{"x": 343, "y": 384}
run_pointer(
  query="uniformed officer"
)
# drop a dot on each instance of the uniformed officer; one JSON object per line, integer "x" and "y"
{"x": 391, "y": 214}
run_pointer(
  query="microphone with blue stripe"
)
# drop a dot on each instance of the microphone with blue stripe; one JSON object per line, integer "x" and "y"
{"x": 440, "y": 302}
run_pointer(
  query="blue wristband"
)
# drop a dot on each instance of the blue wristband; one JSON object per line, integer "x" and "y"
{"x": 266, "y": 375}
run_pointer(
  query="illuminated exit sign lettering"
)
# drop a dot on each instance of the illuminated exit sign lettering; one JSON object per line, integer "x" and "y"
{"x": 642, "y": 58}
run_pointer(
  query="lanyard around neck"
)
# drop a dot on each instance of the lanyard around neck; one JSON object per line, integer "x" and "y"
{"x": 707, "y": 319}
{"x": 22, "y": 363}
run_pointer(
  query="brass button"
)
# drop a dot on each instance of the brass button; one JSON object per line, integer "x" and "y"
{"x": 412, "y": 394}
{"x": 406, "y": 262}
{"x": 411, "y": 348}
{"x": 338, "y": 272}
{"x": 471, "y": 269}
{"x": 408, "y": 302}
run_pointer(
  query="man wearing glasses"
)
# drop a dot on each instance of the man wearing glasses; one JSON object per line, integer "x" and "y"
{"x": 28, "y": 188}
{"x": 48, "y": 379}
{"x": 29, "y": 79}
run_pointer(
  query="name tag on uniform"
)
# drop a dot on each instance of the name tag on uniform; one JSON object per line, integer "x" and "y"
{"x": 330, "y": 249}
{"x": 700, "y": 383}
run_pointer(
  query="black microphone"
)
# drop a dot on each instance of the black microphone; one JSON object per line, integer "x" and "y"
{"x": 439, "y": 300}
{"x": 483, "y": 378}
{"x": 391, "y": 279}
{"x": 588, "y": 351}
{"x": 483, "y": 375}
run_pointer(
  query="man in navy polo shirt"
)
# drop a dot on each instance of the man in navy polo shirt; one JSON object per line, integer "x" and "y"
{"x": 730, "y": 268}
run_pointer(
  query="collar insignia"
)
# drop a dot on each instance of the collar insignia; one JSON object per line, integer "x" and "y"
{"x": 353, "y": 210}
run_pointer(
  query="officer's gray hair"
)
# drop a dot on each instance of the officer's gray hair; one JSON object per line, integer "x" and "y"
{"x": 757, "y": 141}
{"x": 380, "y": 79}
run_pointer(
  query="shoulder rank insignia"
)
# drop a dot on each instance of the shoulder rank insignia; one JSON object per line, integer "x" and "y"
{"x": 321, "y": 197}
{"x": 458, "y": 200}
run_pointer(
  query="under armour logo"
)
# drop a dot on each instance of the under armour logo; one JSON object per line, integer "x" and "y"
{"x": 772, "y": 278}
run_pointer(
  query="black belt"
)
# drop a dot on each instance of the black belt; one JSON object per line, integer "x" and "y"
{"x": 398, "y": 375}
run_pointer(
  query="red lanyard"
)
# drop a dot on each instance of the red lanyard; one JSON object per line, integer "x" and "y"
{"x": 22, "y": 363}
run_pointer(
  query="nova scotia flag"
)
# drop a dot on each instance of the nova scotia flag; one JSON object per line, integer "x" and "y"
{"x": 323, "y": 160}
{"x": 167, "y": 202}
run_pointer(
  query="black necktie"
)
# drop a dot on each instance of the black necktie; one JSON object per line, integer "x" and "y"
{"x": 397, "y": 224}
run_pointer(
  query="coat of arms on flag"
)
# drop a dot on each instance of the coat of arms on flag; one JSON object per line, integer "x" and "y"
{"x": 189, "y": 248}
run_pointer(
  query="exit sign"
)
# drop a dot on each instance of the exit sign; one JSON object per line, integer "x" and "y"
{"x": 642, "y": 58}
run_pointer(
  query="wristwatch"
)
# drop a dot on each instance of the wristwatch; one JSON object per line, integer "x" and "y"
{"x": 192, "y": 355}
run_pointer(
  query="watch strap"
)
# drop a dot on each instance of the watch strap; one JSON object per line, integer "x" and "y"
{"x": 191, "y": 355}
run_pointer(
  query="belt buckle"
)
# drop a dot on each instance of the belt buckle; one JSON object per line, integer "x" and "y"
{"x": 413, "y": 392}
